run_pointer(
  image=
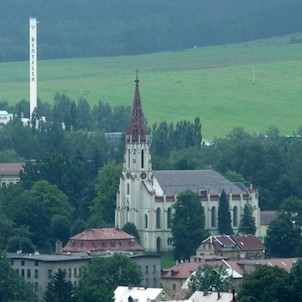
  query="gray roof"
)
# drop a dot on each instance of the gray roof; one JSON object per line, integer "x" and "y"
{"x": 176, "y": 181}
{"x": 266, "y": 217}
{"x": 10, "y": 168}
{"x": 48, "y": 257}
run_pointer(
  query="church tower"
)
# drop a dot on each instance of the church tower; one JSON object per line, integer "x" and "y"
{"x": 137, "y": 170}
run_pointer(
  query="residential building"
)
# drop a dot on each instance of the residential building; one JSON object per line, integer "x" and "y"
{"x": 232, "y": 247}
{"x": 5, "y": 117}
{"x": 172, "y": 279}
{"x": 107, "y": 241}
{"x": 10, "y": 173}
{"x": 175, "y": 280}
{"x": 38, "y": 269}
{"x": 249, "y": 265}
{"x": 145, "y": 197}
{"x": 140, "y": 294}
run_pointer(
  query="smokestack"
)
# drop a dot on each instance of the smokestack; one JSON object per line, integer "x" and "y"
{"x": 32, "y": 64}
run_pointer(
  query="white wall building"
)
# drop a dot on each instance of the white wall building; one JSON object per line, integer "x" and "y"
{"x": 5, "y": 117}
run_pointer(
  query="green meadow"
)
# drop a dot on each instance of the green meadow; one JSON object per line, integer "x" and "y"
{"x": 253, "y": 85}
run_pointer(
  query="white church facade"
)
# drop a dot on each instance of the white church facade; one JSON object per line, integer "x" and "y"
{"x": 145, "y": 197}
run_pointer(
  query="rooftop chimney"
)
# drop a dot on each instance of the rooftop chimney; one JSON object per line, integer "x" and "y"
{"x": 59, "y": 248}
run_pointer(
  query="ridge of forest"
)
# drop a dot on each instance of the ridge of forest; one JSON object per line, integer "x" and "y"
{"x": 69, "y": 29}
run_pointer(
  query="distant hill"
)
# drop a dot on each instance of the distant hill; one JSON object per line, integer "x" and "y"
{"x": 254, "y": 85}
{"x": 77, "y": 28}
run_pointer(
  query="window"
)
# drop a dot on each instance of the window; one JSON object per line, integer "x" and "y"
{"x": 142, "y": 159}
{"x": 146, "y": 221}
{"x": 36, "y": 263}
{"x": 22, "y": 272}
{"x": 128, "y": 189}
{"x": 22, "y": 262}
{"x": 169, "y": 216}
{"x": 28, "y": 273}
{"x": 49, "y": 273}
{"x": 154, "y": 268}
{"x": 69, "y": 273}
{"x": 213, "y": 217}
{"x": 174, "y": 286}
{"x": 235, "y": 216}
{"x": 146, "y": 269}
{"x": 75, "y": 272}
{"x": 158, "y": 218}
{"x": 36, "y": 274}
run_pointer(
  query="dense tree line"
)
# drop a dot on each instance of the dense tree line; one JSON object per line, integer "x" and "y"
{"x": 272, "y": 283}
{"x": 117, "y": 27}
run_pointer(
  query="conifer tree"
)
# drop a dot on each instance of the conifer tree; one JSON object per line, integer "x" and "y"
{"x": 59, "y": 290}
{"x": 187, "y": 224}
{"x": 224, "y": 216}
{"x": 247, "y": 222}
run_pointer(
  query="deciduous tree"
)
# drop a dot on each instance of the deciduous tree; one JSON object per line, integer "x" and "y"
{"x": 265, "y": 284}
{"x": 131, "y": 229}
{"x": 283, "y": 238}
{"x": 104, "y": 274}
{"x": 210, "y": 278}
{"x": 106, "y": 186}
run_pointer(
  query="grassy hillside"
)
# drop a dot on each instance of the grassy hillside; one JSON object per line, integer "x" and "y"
{"x": 214, "y": 83}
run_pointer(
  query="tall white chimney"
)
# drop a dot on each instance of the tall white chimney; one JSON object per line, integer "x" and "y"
{"x": 33, "y": 64}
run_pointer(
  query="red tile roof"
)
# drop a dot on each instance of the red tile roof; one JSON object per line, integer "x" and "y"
{"x": 106, "y": 239}
{"x": 285, "y": 263}
{"x": 181, "y": 270}
{"x": 235, "y": 242}
{"x": 248, "y": 242}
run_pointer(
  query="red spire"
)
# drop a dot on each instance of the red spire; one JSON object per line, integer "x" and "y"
{"x": 137, "y": 131}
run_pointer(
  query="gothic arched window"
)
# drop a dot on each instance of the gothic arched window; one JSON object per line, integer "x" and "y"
{"x": 235, "y": 216}
{"x": 158, "y": 218}
{"x": 146, "y": 221}
{"x": 213, "y": 217}
{"x": 169, "y": 218}
{"x": 142, "y": 159}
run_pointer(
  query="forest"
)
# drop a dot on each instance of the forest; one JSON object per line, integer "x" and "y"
{"x": 75, "y": 170}
{"x": 69, "y": 29}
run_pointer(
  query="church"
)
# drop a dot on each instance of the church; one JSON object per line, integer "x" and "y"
{"x": 145, "y": 197}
